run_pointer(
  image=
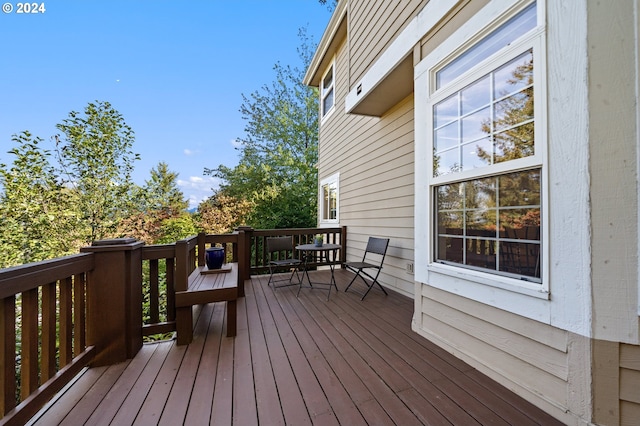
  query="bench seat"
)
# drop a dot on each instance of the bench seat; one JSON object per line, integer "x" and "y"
{"x": 207, "y": 288}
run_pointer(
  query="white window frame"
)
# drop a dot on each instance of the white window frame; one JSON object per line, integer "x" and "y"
{"x": 324, "y": 93}
{"x": 333, "y": 179}
{"x": 479, "y": 285}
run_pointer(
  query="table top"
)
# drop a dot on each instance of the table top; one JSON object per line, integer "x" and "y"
{"x": 313, "y": 247}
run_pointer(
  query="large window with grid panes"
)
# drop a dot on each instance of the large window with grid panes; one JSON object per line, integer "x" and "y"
{"x": 485, "y": 139}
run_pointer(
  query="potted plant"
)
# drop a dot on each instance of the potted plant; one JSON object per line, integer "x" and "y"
{"x": 318, "y": 239}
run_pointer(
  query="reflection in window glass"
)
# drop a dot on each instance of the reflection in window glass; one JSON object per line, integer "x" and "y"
{"x": 477, "y": 154}
{"x": 491, "y": 223}
{"x": 326, "y": 92}
{"x": 330, "y": 201}
{"x": 503, "y": 115}
{"x": 446, "y": 111}
{"x": 500, "y": 38}
{"x": 447, "y": 137}
{"x": 476, "y": 95}
{"x": 476, "y": 125}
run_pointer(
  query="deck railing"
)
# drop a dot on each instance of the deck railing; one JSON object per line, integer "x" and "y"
{"x": 260, "y": 258}
{"x": 43, "y": 331}
{"x": 59, "y": 316}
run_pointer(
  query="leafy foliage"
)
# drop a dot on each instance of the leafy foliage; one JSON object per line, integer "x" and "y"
{"x": 36, "y": 219}
{"x": 157, "y": 202}
{"x": 97, "y": 160}
{"x": 222, "y": 213}
{"x": 276, "y": 173}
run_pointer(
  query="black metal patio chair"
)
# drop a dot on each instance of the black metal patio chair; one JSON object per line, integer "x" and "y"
{"x": 373, "y": 258}
{"x": 283, "y": 249}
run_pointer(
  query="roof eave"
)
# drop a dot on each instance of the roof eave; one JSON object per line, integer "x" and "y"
{"x": 333, "y": 35}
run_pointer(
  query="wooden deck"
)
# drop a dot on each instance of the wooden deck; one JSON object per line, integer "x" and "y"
{"x": 294, "y": 361}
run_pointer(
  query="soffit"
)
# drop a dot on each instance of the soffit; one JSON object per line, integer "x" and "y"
{"x": 396, "y": 86}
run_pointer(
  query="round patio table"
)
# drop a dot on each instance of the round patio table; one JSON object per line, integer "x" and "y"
{"x": 323, "y": 250}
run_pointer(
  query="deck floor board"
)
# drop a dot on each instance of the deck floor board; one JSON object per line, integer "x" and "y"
{"x": 295, "y": 360}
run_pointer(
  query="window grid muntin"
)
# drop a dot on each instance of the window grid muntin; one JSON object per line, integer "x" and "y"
{"x": 466, "y": 238}
{"x": 514, "y": 60}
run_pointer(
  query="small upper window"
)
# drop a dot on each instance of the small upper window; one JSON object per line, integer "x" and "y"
{"x": 327, "y": 92}
{"x": 329, "y": 199}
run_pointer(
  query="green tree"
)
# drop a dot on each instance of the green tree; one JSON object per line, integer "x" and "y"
{"x": 276, "y": 172}
{"x": 38, "y": 218}
{"x": 221, "y": 213}
{"x": 176, "y": 228}
{"x": 161, "y": 191}
{"x": 158, "y": 201}
{"x": 97, "y": 159}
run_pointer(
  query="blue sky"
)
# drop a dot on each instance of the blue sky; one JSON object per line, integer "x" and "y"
{"x": 176, "y": 71}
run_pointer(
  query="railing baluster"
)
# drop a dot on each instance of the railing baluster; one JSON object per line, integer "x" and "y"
{"x": 171, "y": 294}
{"x": 29, "y": 344}
{"x": 79, "y": 313}
{"x": 48, "y": 356}
{"x": 154, "y": 293}
{"x": 7, "y": 354}
{"x": 66, "y": 321}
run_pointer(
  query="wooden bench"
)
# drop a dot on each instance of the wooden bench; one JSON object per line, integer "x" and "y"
{"x": 200, "y": 286}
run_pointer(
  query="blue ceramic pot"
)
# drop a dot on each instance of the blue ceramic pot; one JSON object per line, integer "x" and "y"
{"x": 214, "y": 257}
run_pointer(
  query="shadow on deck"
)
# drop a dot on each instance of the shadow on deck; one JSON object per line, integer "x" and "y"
{"x": 294, "y": 361}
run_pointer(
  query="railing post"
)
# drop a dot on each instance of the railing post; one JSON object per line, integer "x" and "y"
{"x": 343, "y": 243}
{"x": 244, "y": 256}
{"x": 114, "y": 300}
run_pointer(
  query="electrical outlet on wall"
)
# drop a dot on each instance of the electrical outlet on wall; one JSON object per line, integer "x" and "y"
{"x": 410, "y": 268}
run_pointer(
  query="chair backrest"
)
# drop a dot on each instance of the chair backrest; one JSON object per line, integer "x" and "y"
{"x": 376, "y": 246}
{"x": 276, "y": 244}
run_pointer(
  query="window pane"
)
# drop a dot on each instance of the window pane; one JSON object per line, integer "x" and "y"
{"x": 476, "y": 95}
{"x": 514, "y": 76}
{"x": 476, "y": 217}
{"x": 449, "y": 197}
{"x": 333, "y": 203}
{"x": 520, "y": 259}
{"x": 476, "y": 125}
{"x": 446, "y": 137}
{"x": 515, "y": 143}
{"x": 450, "y": 223}
{"x": 481, "y": 223}
{"x": 477, "y": 154}
{"x": 328, "y": 79}
{"x": 520, "y": 189}
{"x": 520, "y": 224}
{"x": 445, "y": 111}
{"x": 501, "y": 37}
{"x": 450, "y": 249}
{"x": 506, "y": 114}
{"x": 447, "y": 162}
{"x": 330, "y": 201}
{"x": 327, "y": 102}
{"x": 513, "y": 110}
{"x": 325, "y": 202}
{"x": 480, "y": 193}
{"x": 481, "y": 253}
